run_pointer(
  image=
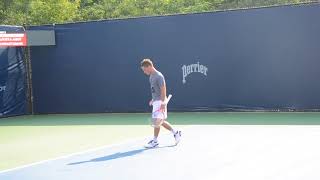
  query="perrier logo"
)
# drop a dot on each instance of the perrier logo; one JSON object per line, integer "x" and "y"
{"x": 193, "y": 68}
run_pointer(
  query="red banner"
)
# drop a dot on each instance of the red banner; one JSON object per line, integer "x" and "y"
{"x": 13, "y": 39}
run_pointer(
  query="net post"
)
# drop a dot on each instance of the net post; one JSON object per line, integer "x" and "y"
{"x": 28, "y": 67}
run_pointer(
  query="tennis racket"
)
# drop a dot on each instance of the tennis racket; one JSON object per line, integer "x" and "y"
{"x": 168, "y": 99}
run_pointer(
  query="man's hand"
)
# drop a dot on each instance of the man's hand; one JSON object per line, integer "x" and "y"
{"x": 150, "y": 102}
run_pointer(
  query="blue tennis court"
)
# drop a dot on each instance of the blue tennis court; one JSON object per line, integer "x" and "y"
{"x": 206, "y": 152}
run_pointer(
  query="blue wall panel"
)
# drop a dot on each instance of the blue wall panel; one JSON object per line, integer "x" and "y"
{"x": 13, "y": 100}
{"x": 258, "y": 59}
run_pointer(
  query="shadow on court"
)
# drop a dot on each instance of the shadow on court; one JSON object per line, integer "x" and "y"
{"x": 118, "y": 155}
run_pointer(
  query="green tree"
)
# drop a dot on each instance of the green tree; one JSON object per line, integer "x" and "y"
{"x": 13, "y": 11}
{"x": 52, "y": 11}
{"x": 19, "y": 12}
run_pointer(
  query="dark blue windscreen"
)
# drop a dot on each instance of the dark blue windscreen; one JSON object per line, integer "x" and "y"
{"x": 257, "y": 59}
{"x": 13, "y": 100}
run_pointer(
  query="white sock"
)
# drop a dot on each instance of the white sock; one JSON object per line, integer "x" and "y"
{"x": 155, "y": 139}
{"x": 173, "y": 131}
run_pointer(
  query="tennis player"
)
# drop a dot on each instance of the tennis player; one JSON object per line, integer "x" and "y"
{"x": 159, "y": 110}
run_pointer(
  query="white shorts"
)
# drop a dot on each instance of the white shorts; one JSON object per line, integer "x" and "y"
{"x": 156, "y": 112}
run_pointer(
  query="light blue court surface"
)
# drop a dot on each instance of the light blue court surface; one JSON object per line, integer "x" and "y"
{"x": 219, "y": 152}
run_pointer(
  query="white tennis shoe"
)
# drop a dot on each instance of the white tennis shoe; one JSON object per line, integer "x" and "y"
{"x": 177, "y": 137}
{"x": 152, "y": 144}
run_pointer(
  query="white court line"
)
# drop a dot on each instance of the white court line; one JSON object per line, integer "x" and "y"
{"x": 81, "y": 152}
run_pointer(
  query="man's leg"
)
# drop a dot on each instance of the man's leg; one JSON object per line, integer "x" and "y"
{"x": 176, "y": 134}
{"x": 156, "y": 124}
{"x": 156, "y": 132}
{"x": 167, "y": 125}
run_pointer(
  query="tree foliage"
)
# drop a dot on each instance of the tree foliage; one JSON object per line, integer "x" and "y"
{"x": 36, "y": 12}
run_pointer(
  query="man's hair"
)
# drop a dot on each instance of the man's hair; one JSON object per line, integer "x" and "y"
{"x": 146, "y": 63}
